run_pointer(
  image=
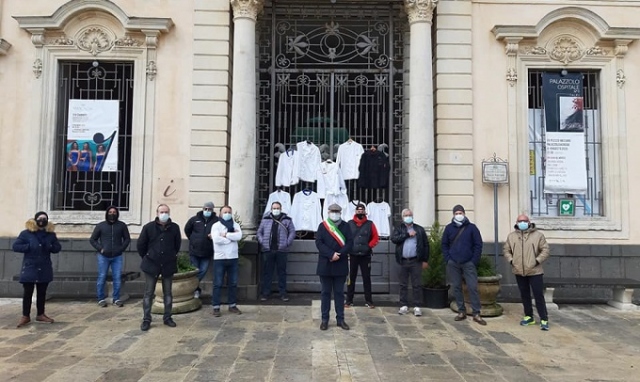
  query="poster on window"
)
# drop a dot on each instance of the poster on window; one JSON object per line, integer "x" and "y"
{"x": 565, "y": 161}
{"x": 92, "y": 135}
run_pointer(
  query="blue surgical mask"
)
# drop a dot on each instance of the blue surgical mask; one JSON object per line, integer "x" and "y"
{"x": 227, "y": 216}
{"x": 523, "y": 226}
{"x": 163, "y": 217}
{"x": 408, "y": 220}
{"x": 207, "y": 214}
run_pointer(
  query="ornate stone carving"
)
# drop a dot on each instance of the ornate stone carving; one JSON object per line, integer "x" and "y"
{"x": 419, "y": 10}
{"x": 152, "y": 70}
{"x": 94, "y": 40}
{"x": 37, "y": 67}
{"x": 4, "y": 46}
{"x": 247, "y": 8}
{"x": 62, "y": 40}
{"x": 620, "y": 78}
{"x": 512, "y": 76}
{"x": 566, "y": 49}
{"x": 622, "y": 47}
{"x": 127, "y": 41}
{"x": 534, "y": 50}
{"x": 596, "y": 51}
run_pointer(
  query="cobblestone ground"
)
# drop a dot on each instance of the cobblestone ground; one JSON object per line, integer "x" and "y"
{"x": 283, "y": 343}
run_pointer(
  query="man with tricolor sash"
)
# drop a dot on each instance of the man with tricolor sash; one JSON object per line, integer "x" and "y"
{"x": 334, "y": 240}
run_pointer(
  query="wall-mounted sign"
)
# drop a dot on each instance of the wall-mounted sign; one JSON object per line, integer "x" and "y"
{"x": 566, "y": 207}
{"x": 495, "y": 172}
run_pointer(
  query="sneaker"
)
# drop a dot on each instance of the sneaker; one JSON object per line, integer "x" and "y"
{"x": 544, "y": 325}
{"x": 403, "y": 310}
{"x": 216, "y": 312}
{"x": 369, "y": 305}
{"x": 527, "y": 320}
{"x": 284, "y": 298}
{"x": 44, "y": 318}
{"x": 417, "y": 312}
{"x": 234, "y": 309}
{"x": 118, "y": 303}
{"x": 102, "y": 303}
{"x": 145, "y": 325}
{"x": 196, "y": 294}
{"x": 348, "y": 304}
{"x": 263, "y": 298}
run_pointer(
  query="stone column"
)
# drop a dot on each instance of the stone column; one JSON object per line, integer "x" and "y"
{"x": 242, "y": 160}
{"x": 421, "y": 133}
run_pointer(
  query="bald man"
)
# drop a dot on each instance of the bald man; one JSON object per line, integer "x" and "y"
{"x": 526, "y": 249}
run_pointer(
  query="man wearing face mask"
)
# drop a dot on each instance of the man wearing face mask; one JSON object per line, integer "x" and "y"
{"x": 462, "y": 248}
{"x": 198, "y": 231}
{"x": 275, "y": 235}
{"x": 225, "y": 234}
{"x": 365, "y": 237}
{"x": 526, "y": 249}
{"x": 412, "y": 254}
{"x": 158, "y": 245}
{"x": 110, "y": 238}
{"x": 334, "y": 241}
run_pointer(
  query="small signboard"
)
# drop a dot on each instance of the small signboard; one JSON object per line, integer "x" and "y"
{"x": 495, "y": 172}
{"x": 566, "y": 207}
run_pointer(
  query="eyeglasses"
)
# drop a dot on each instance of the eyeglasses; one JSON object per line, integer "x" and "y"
{"x": 522, "y": 221}
{"x": 207, "y": 209}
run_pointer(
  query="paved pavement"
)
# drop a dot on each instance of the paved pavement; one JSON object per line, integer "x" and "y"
{"x": 283, "y": 343}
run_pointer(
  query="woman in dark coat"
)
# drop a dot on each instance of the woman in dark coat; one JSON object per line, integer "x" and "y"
{"x": 37, "y": 242}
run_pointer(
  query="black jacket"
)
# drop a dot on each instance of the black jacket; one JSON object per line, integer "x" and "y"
{"x": 327, "y": 245}
{"x": 158, "y": 245}
{"x": 111, "y": 239}
{"x": 374, "y": 170}
{"x": 197, "y": 230}
{"x": 400, "y": 234}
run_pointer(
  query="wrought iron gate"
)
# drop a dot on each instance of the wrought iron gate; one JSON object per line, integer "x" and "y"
{"x": 328, "y": 74}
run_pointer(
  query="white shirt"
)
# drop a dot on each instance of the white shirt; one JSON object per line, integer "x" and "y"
{"x": 341, "y": 199}
{"x": 379, "y": 214}
{"x": 308, "y": 161}
{"x": 348, "y": 159}
{"x": 330, "y": 179}
{"x": 225, "y": 247}
{"x": 286, "y": 173}
{"x": 282, "y": 197}
{"x": 305, "y": 211}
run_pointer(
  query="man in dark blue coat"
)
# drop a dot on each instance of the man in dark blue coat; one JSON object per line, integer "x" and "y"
{"x": 462, "y": 248}
{"x": 198, "y": 231}
{"x": 334, "y": 240}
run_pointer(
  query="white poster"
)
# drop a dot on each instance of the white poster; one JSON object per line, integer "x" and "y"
{"x": 92, "y": 135}
{"x": 565, "y": 163}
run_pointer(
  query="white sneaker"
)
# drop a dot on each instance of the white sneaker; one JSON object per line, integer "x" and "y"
{"x": 404, "y": 310}
{"x": 196, "y": 294}
{"x": 417, "y": 311}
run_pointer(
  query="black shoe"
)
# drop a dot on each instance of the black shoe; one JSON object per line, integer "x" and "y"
{"x": 461, "y": 316}
{"x": 324, "y": 325}
{"x": 343, "y": 325}
{"x": 284, "y": 298}
{"x": 263, "y": 298}
{"x": 170, "y": 322}
{"x": 145, "y": 325}
{"x": 216, "y": 313}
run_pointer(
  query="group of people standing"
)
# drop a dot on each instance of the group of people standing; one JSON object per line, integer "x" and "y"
{"x": 343, "y": 248}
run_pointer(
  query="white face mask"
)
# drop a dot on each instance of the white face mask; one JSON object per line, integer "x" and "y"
{"x": 335, "y": 216}
{"x": 459, "y": 218}
{"x": 275, "y": 212}
{"x": 164, "y": 217}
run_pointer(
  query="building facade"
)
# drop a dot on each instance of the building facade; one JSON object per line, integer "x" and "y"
{"x": 119, "y": 103}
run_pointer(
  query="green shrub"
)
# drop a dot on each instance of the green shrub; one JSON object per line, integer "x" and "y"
{"x": 184, "y": 263}
{"x": 486, "y": 267}
{"x": 435, "y": 276}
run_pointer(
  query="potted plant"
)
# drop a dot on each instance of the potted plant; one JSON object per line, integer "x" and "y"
{"x": 488, "y": 289}
{"x": 435, "y": 291}
{"x": 184, "y": 282}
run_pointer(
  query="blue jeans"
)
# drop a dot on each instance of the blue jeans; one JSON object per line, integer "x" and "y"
{"x": 455, "y": 273}
{"x": 116, "y": 272}
{"x": 202, "y": 263}
{"x": 333, "y": 284}
{"x": 220, "y": 267}
{"x": 277, "y": 260}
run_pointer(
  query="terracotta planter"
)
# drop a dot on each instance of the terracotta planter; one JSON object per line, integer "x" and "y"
{"x": 488, "y": 289}
{"x": 182, "y": 290}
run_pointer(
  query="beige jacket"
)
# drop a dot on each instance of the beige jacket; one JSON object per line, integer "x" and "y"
{"x": 526, "y": 251}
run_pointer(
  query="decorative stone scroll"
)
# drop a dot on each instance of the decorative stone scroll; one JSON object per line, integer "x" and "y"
{"x": 420, "y": 10}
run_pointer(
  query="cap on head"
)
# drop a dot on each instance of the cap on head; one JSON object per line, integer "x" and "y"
{"x": 335, "y": 208}
{"x": 457, "y": 208}
{"x": 41, "y": 213}
{"x": 361, "y": 206}
{"x": 208, "y": 205}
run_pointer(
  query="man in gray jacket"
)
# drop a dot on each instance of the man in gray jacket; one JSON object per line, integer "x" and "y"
{"x": 110, "y": 238}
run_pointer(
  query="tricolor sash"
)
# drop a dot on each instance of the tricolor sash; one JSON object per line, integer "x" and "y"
{"x": 334, "y": 231}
